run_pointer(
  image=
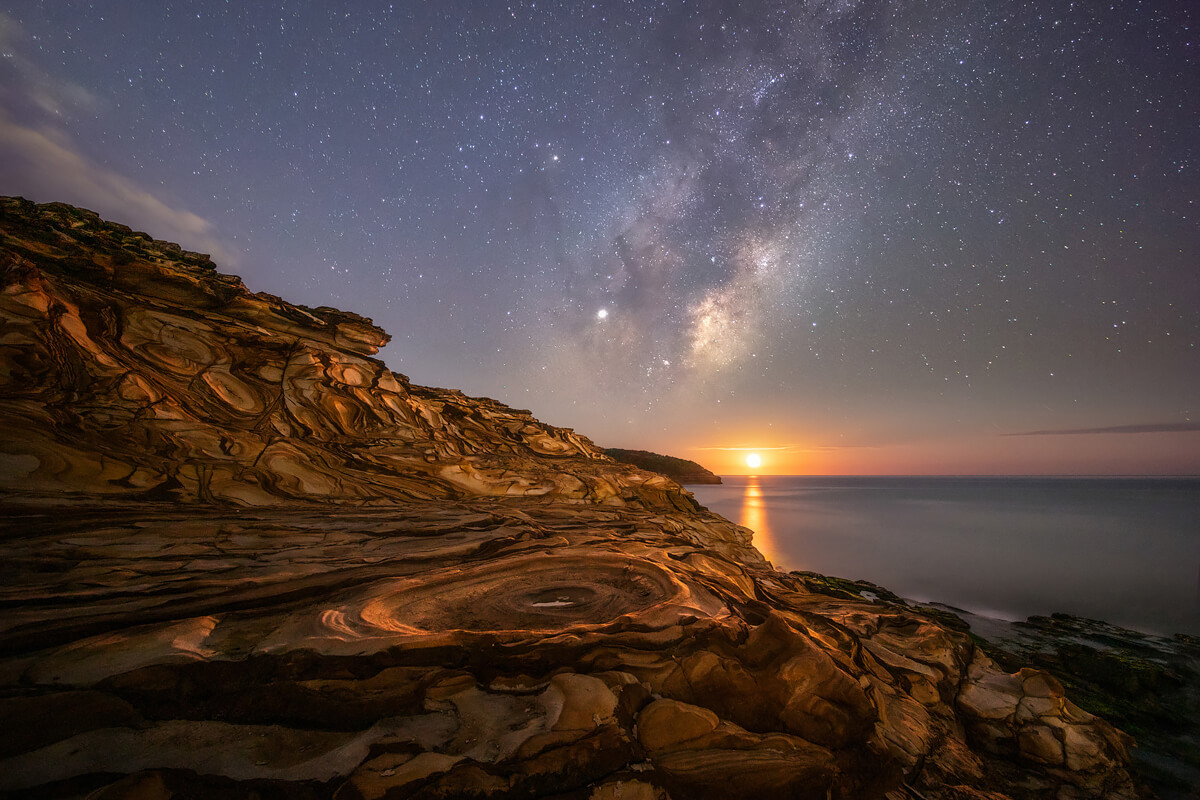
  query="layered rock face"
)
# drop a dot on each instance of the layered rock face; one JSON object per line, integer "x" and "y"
{"x": 134, "y": 369}
{"x": 242, "y": 559}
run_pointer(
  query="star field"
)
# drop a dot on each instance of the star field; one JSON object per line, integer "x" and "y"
{"x": 880, "y": 237}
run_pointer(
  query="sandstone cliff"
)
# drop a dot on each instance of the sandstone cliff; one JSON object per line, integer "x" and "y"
{"x": 135, "y": 370}
{"x": 242, "y": 559}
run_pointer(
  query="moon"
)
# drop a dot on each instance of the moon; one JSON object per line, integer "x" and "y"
{"x": 754, "y": 461}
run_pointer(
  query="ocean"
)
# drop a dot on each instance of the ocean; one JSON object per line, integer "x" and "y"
{"x": 1123, "y": 550}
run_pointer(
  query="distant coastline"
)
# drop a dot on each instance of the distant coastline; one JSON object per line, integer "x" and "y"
{"x": 679, "y": 470}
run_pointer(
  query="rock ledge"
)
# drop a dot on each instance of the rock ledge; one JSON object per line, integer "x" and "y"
{"x": 242, "y": 559}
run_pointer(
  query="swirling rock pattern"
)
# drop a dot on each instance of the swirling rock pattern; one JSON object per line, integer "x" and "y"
{"x": 242, "y": 559}
{"x": 135, "y": 370}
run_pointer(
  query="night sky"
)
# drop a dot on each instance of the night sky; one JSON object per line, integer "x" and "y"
{"x": 854, "y": 237}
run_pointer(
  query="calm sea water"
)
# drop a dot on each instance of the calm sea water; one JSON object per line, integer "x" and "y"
{"x": 1123, "y": 550}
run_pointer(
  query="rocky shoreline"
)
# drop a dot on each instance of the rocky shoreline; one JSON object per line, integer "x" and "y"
{"x": 1146, "y": 684}
{"x": 241, "y": 558}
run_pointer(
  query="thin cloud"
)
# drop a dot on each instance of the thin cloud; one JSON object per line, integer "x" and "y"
{"x": 1158, "y": 427}
{"x": 41, "y": 161}
{"x": 45, "y": 166}
{"x": 30, "y": 91}
{"x": 845, "y": 447}
{"x": 790, "y": 448}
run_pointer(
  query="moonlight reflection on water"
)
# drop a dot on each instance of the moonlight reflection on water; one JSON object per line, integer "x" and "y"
{"x": 754, "y": 517}
{"x": 1121, "y": 550}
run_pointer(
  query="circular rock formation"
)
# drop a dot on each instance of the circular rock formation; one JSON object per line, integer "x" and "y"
{"x": 528, "y": 594}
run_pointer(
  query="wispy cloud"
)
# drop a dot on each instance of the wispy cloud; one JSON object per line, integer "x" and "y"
{"x": 789, "y": 448}
{"x": 45, "y": 166}
{"x": 1155, "y": 427}
{"x": 31, "y": 91}
{"x": 41, "y": 161}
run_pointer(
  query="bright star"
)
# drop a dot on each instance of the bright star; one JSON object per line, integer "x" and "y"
{"x": 602, "y": 314}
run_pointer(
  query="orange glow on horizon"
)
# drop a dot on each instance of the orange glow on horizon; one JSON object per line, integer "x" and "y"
{"x": 757, "y": 460}
{"x": 947, "y": 454}
{"x": 738, "y": 461}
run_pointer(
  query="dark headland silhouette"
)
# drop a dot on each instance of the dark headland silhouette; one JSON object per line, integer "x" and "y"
{"x": 680, "y": 470}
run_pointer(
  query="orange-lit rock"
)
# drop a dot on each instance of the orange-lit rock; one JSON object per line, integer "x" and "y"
{"x": 241, "y": 558}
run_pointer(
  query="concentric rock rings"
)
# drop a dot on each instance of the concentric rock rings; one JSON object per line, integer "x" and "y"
{"x": 539, "y": 594}
{"x": 531, "y": 593}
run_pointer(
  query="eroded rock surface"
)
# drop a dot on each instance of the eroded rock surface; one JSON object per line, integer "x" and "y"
{"x": 133, "y": 369}
{"x": 1147, "y": 684}
{"x": 242, "y": 559}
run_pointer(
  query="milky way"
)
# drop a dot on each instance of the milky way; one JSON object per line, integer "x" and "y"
{"x": 830, "y": 227}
